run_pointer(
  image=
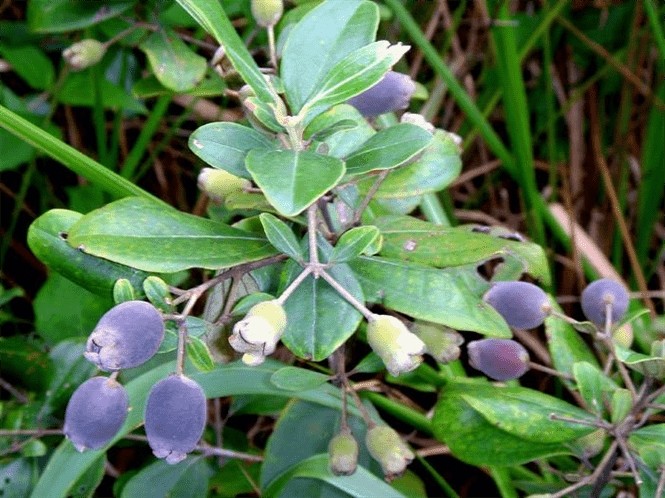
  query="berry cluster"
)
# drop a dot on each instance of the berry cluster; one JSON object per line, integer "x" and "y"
{"x": 525, "y": 306}
{"x": 127, "y": 336}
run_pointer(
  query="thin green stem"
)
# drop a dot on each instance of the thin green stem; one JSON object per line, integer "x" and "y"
{"x": 148, "y": 130}
{"x": 503, "y": 482}
{"x": 412, "y": 417}
{"x": 440, "y": 480}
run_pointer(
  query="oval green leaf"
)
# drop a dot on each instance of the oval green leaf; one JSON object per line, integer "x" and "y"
{"x": 47, "y": 238}
{"x": 315, "y": 44}
{"x": 225, "y": 145}
{"x": 389, "y": 148}
{"x": 410, "y": 239}
{"x": 281, "y": 236}
{"x": 174, "y": 64}
{"x": 148, "y": 236}
{"x": 292, "y": 180}
{"x": 426, "y": 293}
{"x": 353, "y": 243}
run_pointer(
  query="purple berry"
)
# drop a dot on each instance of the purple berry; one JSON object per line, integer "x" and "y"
{"x": 95, "y": 413}
{"x": 175, "y": 416}
{"x": 128, "y": 335}
{"x": 596, "y": 296}
{"x": 521, "y": 304}
{"x": 499, "y": 359}
{"x": 392, "y": 93}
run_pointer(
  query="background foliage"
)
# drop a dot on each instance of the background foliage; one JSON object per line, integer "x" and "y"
{"x": 561, "y": 107}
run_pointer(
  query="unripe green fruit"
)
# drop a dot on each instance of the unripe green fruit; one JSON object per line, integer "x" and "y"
{"x": 387, "y": 448}
{"x": 219, "y": 184}
{"x": 272, "y": 312}
{"x": 175, "y": 416}
{"x": 267, "y": 12}
{"x": 499, "y": 359}
{"x": 521, "y": 304}
{"x": 596, "y": 296}
{"x": 392, "y": 93}
{"x": 343, "y": 451}
{"x": 84, "y": 54}
{"x": 399, "y": 348}
{"x": 126, "y": 336}
{"x": 95, "y": 413}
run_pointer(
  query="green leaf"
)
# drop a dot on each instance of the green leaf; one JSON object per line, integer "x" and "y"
{"x": 423, "y": 242}
{"x": 64, "y": 310}
{"x": 622, "y": 404}
{"x": 47, "y": 239}
{"x": 475, "y": 440}
{"x": 211, "y": 86}
{"x": 211, "y": 16}
{"x": 146, "y": 235}
{"x": 565, "y": 345}
{"x": 24, "y": 361}
{"x": 174, "y": 64}
{"x": 353, "y": 243}
{"x": 31, "y": 64}
{"x": 360, "y": 484}
{"x": 357, "y": 72}
{"x": 595, "y": 387}
{"x": 652, "y": 366}
{"x": 71, "y": 370}
{"x": 435, "y": 169}
{"x": 123, "y": 291}
{"x": 66, "y": 464}
{"x": 314, "y": 45}
{"x": 17, "y": 477}
{"x": 346, "y": 140}
{"x": 225, "y": 145}
{"x": 389, "y": 148}
{"x": 649, "y": 442}
{"x": 526, "y": 413}
{"x": 157, "y": 292}
{"x": 319, "y": 320}
{"x": 297, "y": 379}
{"x": 185, "y": 479}
{"x": 426, "y": 293}
{"x": 281, "y": 236}
{"x": 292, "y": 180}
{"x": 199, "y": 354}
{"x": 56, "y": 16}
{"x": 87, "y": 484}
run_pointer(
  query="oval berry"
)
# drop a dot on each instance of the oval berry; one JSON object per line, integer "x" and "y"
{"x": 175, "y": 416}
{"x": 596, "y": 296}
{"x": 499, "y": 359}
{"x": 392, "y": 93}
{"x": 126, "y": 336}
{"x": 95, "y": 413}
{"x": 521, "y": 304}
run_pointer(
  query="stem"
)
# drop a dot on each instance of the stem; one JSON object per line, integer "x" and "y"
{"x": 311, "y": 234}
{"x": 661, "y": 483}
{"x": 271, "y": 44}
{"x": 347, "y": 295}
{"x": 182, "y": 336}
{"x": 294, "y": 285}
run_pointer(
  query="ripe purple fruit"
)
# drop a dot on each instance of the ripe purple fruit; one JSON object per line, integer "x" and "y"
{"x": 95, "y": 413}
{"x": 598, "y": 294}
{"x": 128, "y": 335}
{"x": 521, "y": 304}
{"x": 499, "y": 359}
{"x": 392, "y": 93}
{"x": 175, "y": 416}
